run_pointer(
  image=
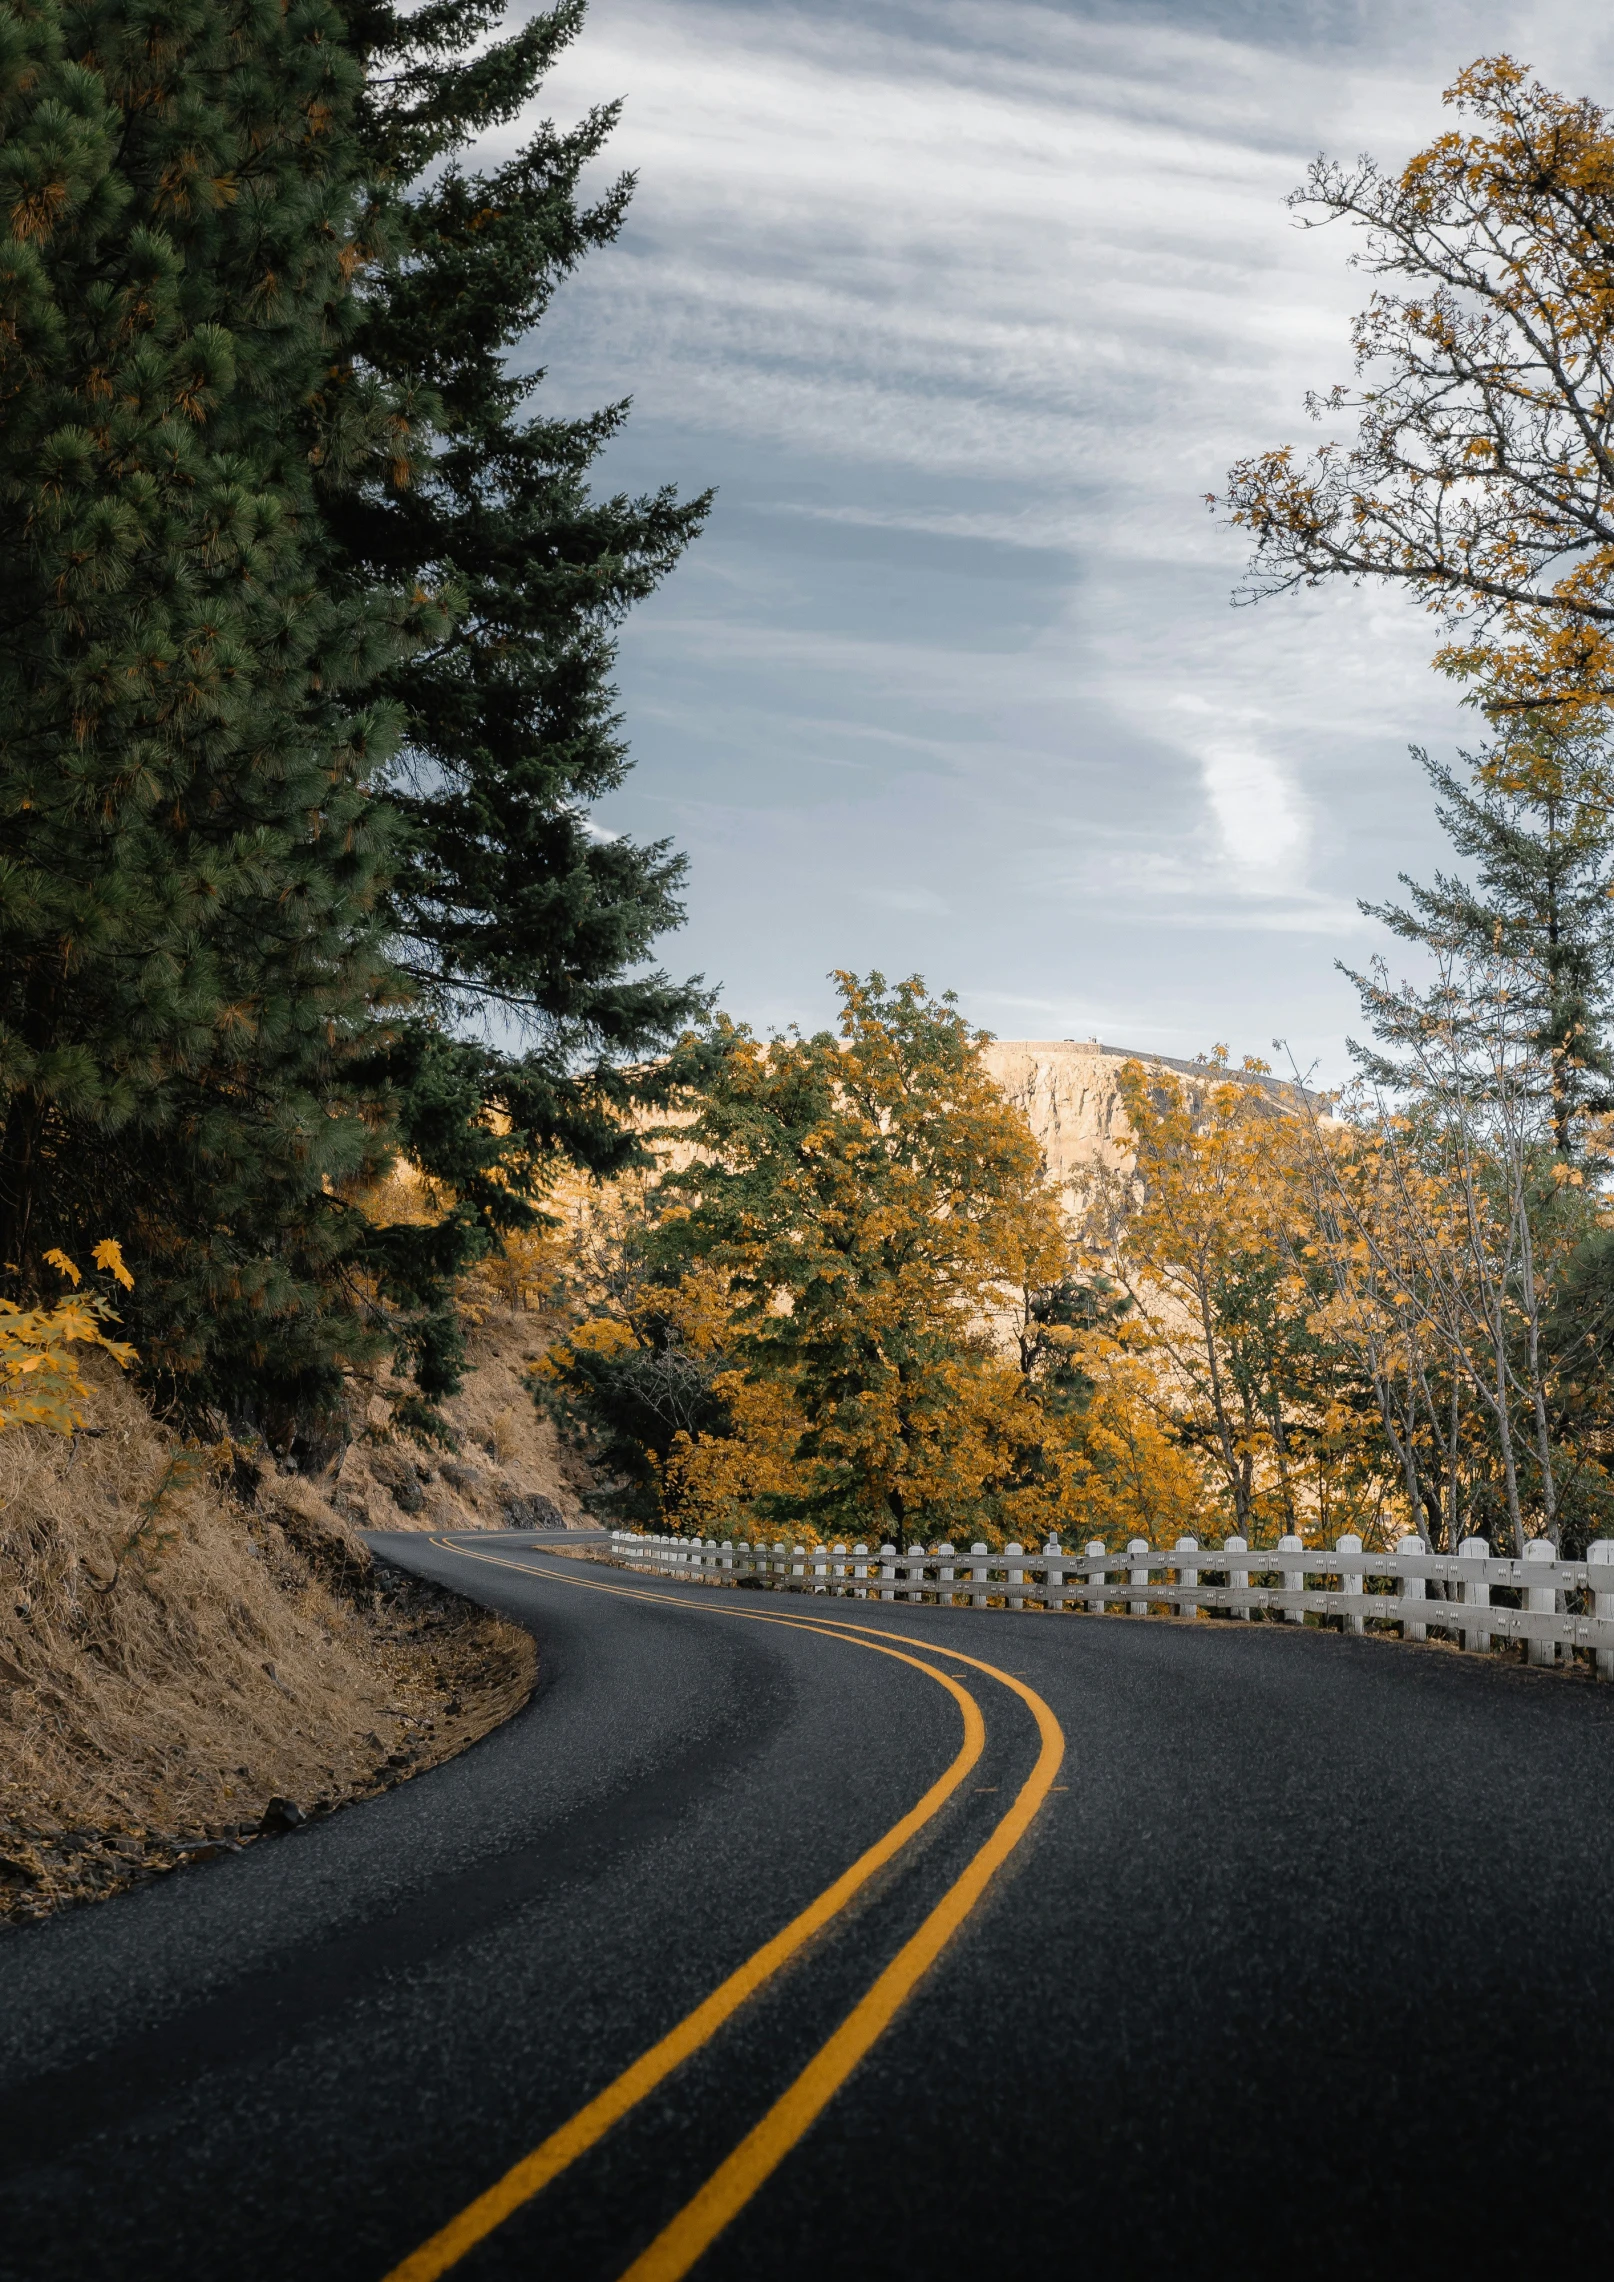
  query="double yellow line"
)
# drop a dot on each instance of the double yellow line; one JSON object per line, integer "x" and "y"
{"x": 680, "y": 2243}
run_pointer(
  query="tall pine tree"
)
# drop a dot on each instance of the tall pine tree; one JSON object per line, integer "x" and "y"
{"x": 1533, "y": 819}
{"x": 306, "y": 692}
{"x": 193, "y": 933}
{"x": 523, "y": 931}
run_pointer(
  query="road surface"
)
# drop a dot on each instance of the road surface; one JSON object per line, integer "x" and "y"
{"x": 1110, "y": 1947}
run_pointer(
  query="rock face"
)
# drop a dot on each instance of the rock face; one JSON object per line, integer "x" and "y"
{"x": 1070, "y": 1090}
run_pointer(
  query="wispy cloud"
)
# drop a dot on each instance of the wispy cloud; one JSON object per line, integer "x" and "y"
{"x": 965, "y": 307}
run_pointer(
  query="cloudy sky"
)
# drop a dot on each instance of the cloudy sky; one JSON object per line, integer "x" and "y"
{"x": 962, "y": 308}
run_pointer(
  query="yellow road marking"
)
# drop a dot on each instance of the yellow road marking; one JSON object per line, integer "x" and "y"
{"x": 590, "y": 2124}
{"x": 685, "y": 2239}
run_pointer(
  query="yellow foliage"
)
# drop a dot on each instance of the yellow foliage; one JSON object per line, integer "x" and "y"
{"x": 600, "y": 1335}
{"x": 1117, "y": 1470}
{"x": 1476, "y": 478}
{"x": 109, "y": 1254}
{"x": 880, "y": 1210}
{"x": 41, "y": 1383}
{"x": 1210, "y": 1237}
{"x": 711, "y": 1485}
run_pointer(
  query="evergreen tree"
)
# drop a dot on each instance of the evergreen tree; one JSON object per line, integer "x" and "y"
{"x": 192, "y": 937}
{"x": 1534, "y": 819}
{"x": 306, "y": 687}
{"x": 522, "y": 930}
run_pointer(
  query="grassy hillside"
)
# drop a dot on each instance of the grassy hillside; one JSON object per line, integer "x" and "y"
{"x": 179, "y": 1647}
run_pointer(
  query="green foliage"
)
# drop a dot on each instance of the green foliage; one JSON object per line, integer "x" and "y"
{"x": 303, "y": 692}
{"x": 627, "y": 1400}
{"x": 523, "y": 932}
{"x": 191, "y": 935}
{"x": 875, "y": 1202}
{"x": 1535, "y": 819}
{"x": 1053, "y": 1322}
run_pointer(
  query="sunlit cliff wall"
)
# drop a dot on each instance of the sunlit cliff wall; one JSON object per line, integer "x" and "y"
{"x": 1070, "y": 1090}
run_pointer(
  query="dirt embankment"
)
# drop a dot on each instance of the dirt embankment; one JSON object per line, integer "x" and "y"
{"x": 184, "y": 1668}
{"x": 510, "y": 1469}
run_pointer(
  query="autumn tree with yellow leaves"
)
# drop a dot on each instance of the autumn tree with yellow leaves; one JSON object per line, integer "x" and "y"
{"x": 862, "y": 1288}
{"x": 1207, "y": 1231}
{"x": 1480, "y": 473}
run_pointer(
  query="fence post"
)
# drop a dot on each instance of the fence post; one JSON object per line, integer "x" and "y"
{"x": 916, "y": 1560}
{"x": 1189, "y": 1577}
{"x": 798, "y": 1565}
{"x": 1095, "y": 1604}
{"x": 979, "y": 1572}
{"x": 725, "y": 1558}
{"x": 1476, "y": 1592}
{"x": 778, "y": 1567}
{"x": 944, "y": 1576}
{"x": 837, "y": 1568}
{"x": 888, "y": 1571}
{"x": 1294, "y": 1580}
{"x": 1412, "y": 1589}
{"x": 1136, "y": 1576}
{"x": 860, "y": 1570}
{"x": 1351, "y": 1580}
{"x": 1542, "y": 1600}
{"x": 1238, "y": 1580}
{"x": 1053, "y": 1580}
{"x": 711, "y": 1556}
{"x": 1016, "y": 1576}
{"x": 1600, "y": 1556}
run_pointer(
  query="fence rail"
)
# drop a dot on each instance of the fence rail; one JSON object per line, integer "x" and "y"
{"x": 1420, "y": 1591}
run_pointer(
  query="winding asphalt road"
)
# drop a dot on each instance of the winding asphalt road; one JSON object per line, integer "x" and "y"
{"x": 1301, "y": 1954}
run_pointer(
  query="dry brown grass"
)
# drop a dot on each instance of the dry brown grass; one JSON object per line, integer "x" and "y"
{"x": 508, "y": 1451}
{"x": 172, "y": 1658}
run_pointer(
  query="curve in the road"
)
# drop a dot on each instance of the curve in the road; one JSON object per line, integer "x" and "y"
{"x": 683, "y": 2241}
{"x": 703, "y": 2218}
{"x": 1314, "y": 1953}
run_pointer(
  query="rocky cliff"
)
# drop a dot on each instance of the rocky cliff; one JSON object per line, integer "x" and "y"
{"x": 1070, "y": 1090}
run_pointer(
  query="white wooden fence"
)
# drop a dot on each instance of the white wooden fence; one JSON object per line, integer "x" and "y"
{"x": 1557, "y": 1606}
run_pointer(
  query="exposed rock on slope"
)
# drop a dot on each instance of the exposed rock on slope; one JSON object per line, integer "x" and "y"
{"x": 510, "y": 1469}
{"x": 1070, "y": 1091}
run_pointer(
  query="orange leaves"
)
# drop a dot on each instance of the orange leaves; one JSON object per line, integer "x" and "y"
{"x": 41, "y": 1383}
{"x": 1212, "y": 1237}
{"x": 1480, "y": 473}
{"x": 109, "y": 1255}
{"x": 36, "y": 212}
